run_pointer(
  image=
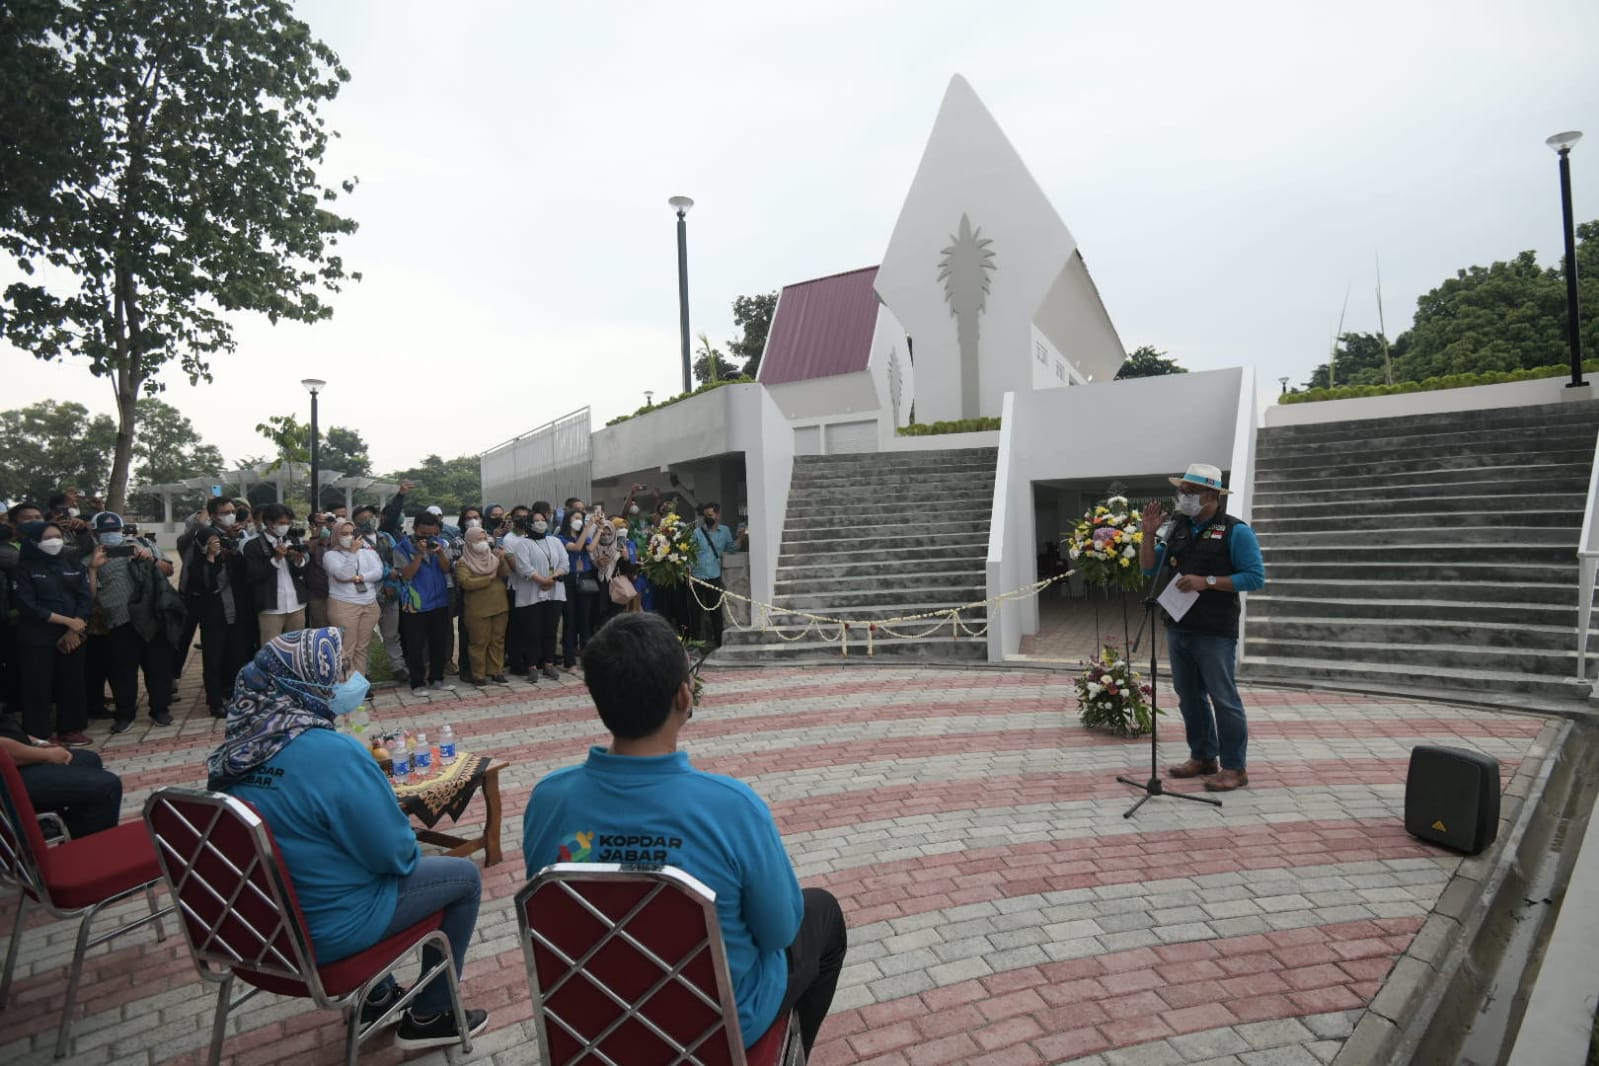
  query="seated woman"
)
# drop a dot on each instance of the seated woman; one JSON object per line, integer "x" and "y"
{"x": 350, "y": 851}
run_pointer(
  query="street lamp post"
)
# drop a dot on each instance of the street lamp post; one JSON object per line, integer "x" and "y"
{"x": 1285, "y": 385}
{"x": 314, "y": 386}
{"x": 681, "y": 204}
{"x": 1562, "y": 144}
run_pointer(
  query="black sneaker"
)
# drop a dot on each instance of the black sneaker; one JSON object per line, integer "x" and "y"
{"x": 549, "y": 672}
{"x": 121, "y": 725}
{"x": 438, "y": 1031}
{"x": 376, "y": 1005}
{"x": 161, "y": 717}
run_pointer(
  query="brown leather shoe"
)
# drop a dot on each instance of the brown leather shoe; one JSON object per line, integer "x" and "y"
{"x": 1194, "y": 768}
{"x": 1227, "y": 780}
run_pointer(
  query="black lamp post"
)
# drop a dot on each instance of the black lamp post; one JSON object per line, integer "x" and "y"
{"x": 314, "y": 386}
{"x": 1562, "y": 144}
{"x": 681, "y": 204}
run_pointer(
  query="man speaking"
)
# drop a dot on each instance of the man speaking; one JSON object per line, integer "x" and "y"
{"x": 1217, "y": 556}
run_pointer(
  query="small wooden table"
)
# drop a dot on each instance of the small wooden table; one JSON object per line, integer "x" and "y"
{"x": 488, "y": 841}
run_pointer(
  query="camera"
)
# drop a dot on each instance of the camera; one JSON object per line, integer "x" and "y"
{"x": 124, "y": 550}
{"x": 295, "y": 533}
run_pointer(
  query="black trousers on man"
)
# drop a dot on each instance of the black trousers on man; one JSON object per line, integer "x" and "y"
{"x": 428, "y": 638}
{"x": 224, "y": 649}
{"x": 707, "y": 607}
{"x": 126, "y": 654}
{"x": 814, "y": 961}
{"x": 86, "y": 795}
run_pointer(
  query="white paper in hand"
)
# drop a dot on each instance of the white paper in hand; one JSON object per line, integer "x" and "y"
{"x": 1176, "y": 602}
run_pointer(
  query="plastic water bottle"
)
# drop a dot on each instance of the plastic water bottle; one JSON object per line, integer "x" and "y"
{"x": 447, "y": 745}
{"x": 402, "y": 764}
{"x": 422, "y": 756}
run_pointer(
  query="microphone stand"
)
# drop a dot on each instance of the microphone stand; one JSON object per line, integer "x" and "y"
{"x": 1155, "y": 786}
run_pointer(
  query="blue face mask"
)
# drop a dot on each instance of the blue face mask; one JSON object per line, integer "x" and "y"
{"x": 111, "y": 540}
{"x": 348, "y": 696}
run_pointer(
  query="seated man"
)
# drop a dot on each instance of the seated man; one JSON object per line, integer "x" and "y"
{"x": 350, "y": 851}
{"x": 785, "y": 947}
{"x": 71, "y": 783}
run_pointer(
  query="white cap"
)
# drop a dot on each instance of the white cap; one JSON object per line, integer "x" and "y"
{"x": 436, "y": 510}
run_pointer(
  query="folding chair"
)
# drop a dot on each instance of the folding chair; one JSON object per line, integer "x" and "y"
{"x": 74, "y": 878}
{"x": 241, "y": 918}
{"x": 628, "y": 968}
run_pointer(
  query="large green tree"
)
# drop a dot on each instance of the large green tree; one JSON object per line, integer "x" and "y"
{"x": 710, "y": 364}
{"x": 169, "y": 149}
{"x": 338, "y": 448}
{"x": 49, "y": 446}
{"x": 1147, "y": 362}
{"x": 448, "y": 483}
{"x": 1360, "y": 360}
{"x": 752, "y": 314}
{"x": 169, "y": 449}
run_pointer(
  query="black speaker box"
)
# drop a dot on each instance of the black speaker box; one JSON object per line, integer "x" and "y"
{"x": 1452, "y": 798}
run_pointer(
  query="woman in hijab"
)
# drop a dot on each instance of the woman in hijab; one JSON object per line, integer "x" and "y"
{"x": 53, "y": 596}
{"x": 350, "y": 851}
{"x": 480, "y": 575}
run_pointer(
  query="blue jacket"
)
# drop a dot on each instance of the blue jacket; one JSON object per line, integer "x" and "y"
{"x": 428, "y": 588}
{"x": 43, "y": 585}
{"x": 343, "y": 837}
{"x": 659, "y": 809}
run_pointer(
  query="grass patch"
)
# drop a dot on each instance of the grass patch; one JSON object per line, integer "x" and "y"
{"x": 709, "y": 386}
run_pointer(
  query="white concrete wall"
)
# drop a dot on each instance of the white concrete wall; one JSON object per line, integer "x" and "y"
{"x": 767, "y": 440}
{"x": 1475, "y": 398}
{"x": 821, "y": 399}
{"x": 1101, "y": 431}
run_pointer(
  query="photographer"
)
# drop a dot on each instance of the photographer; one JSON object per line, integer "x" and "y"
{"x": 582, "y": 583}
{"x": 355, "y": 573}
{"x": 423, "y": 563}
{"x": 319, "y": 537}
{"x": 213, "y": 576}
{"x": 141, "y": 619}
{"x": 62, "y": 509}
{"x": 276, "y": 563}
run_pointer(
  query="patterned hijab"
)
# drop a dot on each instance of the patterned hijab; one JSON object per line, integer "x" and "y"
{"x": 281, "y": 693}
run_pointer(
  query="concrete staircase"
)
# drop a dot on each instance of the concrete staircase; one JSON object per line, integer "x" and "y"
{"x": 877, "y": 535}
{"x": 1435, "y": 552}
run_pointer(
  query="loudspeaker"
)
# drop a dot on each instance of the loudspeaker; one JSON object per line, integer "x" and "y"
{"x": 1452, "y": 798}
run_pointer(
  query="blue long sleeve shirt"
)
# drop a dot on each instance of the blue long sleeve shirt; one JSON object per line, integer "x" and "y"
{"x": 659, "y": 809}
{"x": 713, "y": 544}
{"x": 343, "y": 837}
{"x": 1243, "y": 550}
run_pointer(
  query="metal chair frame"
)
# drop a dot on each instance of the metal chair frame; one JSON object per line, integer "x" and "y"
{"x": 218, "y": 960}
{"x": 19, "y": 868}
{"x": 567, "y": 877}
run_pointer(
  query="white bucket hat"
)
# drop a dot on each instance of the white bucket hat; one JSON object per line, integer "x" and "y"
{"x": 1202, "y": 474}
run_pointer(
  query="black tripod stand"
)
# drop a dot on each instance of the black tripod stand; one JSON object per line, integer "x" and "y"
{"x": 1154, "y": 786}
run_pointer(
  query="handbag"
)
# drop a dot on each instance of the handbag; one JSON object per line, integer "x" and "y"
{"x": 588, "y": 585}
{"x": 622, "y": 590}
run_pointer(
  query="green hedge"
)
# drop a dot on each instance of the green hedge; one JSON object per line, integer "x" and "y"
{"x": 964, "y": 425}
{"x": 708, "y": 387}
{"x": 1448, "y": 381}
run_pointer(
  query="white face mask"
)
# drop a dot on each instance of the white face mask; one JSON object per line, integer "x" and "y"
{"x": 72, "y": 512}
{"x": 632, "y": 508}
{"x": 577, "y": 524}
{"x": 541, "y": 526}
{"x": 473, "y": 523}
{"x": 52, "y": 546}
{"x": 346, "y": 540}
{"x": 480, "y": 545}
{"x": 280, "y": 531}
{"x": 226, "y": 520}
{"x": 1190, "y": 505}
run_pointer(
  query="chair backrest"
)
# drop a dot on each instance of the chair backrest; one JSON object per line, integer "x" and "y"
{"x": 24, "y": 857}
{"x": 230, "y": 885}
{"x": 627, "y": 967}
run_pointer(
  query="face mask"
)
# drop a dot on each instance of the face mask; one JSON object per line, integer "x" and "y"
{"x": 480, "y": 545}
{"x": 348, "y": 696}
{"x": 346, "y": 541}
{"x": 541, "y": 527}
{"x": 710, "y": 520}
{"x": 111, "y": 540}
{"x": 324, "y": 533}
{"x": 280, "y": 531}
{"x": 51, "y": 546}
{"x": 473, "y": 523}
{"x": 226, "y": 520}
{"x": 369, "y": 525}
{"x": 632, "y": 508}
{"x": 1190, "y": 505}
{"x": 72, "y": 512}
{"x": 577, "y": 523}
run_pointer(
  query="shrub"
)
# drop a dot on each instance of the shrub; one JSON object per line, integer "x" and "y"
{"x": 707, "y": 387}
{"x": 963, "y": 425}
{"x": 1447, "y": 381}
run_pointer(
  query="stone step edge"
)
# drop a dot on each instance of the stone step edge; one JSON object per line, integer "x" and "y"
{"x": 1550, "y": 630}
{"x": 1290, "y": 663}
{"x": 1357, "y": 646}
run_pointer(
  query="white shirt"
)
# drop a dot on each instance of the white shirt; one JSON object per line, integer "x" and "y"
{"x": 344, "y": 567}
{"x": 546, "y": 558}
{"x": 288, "y": 596}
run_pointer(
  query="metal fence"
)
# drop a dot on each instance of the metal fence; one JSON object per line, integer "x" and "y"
{"x": 553, "y": 462}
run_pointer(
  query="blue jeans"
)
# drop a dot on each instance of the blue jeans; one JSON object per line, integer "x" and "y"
{"x": 1202, "y": 672}
{"x": 438, "y": 883}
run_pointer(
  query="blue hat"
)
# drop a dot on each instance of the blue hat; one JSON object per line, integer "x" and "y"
{"x": 107, "y": 522}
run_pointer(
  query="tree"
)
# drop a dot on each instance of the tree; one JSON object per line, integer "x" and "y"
{"x": 338, "y": 448}
{"x": 449, "y": 484}
{"x": 711, "y": 365}
{"x": 169, "y": 449}
{"x": 1360, "y": 360}
{"x": 177, "y": 184}
{"x": 1146, "y": 362}
{"x": 49, "y": 446}
{"x": 752, "y": 314}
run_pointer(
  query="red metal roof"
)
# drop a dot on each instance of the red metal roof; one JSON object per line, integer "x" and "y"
{"x": 822, "y": 327}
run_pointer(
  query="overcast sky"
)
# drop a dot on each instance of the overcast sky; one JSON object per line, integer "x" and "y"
{"x": 1228, "y": 170}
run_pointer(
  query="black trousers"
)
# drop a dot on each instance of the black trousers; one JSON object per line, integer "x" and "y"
{"x": 52, "y": 690}
{"x": 814, "y": 961}
{"x": 427, "y": 638}
{"x": 541, "y": 624}
{"x": 707, "y": 607}
{"x": 463, "y": 639}
{"x": 224, "y": 649}
{"x": 86, "y": 795}
{"x": 191, "y": 623}
{"x": 577, "y": 619}
{"x": 126, "y": 654}
{"x": 10, "y": 676}
{"x": 516, "y": 640}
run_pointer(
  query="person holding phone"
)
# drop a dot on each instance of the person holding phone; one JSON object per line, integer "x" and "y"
{"x": 423, "y": 563}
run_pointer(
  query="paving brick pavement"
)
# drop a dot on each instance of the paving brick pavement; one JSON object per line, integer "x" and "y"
{"x": 1001, "y": 909}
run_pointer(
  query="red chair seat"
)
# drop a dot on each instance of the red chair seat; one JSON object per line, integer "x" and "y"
{"x": 347, "y": 974}
{"x": 768, "y": 1050}
{"x": 84, "y": 872}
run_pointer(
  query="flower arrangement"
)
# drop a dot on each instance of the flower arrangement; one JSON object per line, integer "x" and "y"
{"x": 1112, "y": 696}
{"x": 669, "y": 552}
{"x": 1103, "y": 547}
